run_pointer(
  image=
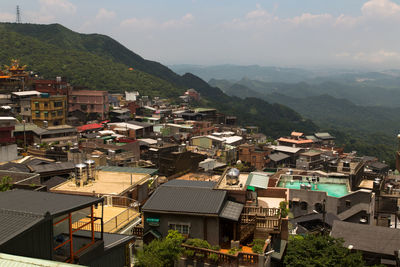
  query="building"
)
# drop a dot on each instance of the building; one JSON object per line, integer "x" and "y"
{"x": 62, "y": 134}
{"x": 49, "y": 110}
{"x": 325, "y": 138}
{"x": 93, "y": 102}
{"x": 194, "y": 209}
{"x": 254, "y": 155}
{"x": 378, "y": 245}
{"x": 310, "y": 160}
{"x": 8, "y": 146}
{"x": 22, "y": 101}
{"x": 53, "y": 227}
{"x": 52, "y": 87}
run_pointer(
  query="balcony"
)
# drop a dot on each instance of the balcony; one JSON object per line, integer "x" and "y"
{"x": 117, "y": 213}
{"x": 259, "y": 222}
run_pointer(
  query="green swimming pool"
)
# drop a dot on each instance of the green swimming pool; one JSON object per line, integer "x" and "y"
{"x": 333, "y": 190}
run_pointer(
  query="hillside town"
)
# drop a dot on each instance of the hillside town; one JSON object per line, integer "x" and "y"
{"x": 90, "y": 177}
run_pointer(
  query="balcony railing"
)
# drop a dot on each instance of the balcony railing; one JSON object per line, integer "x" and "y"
{"x": 224, "y": 259}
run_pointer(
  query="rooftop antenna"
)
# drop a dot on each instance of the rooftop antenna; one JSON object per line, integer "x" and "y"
{"x": 18, "y": 15}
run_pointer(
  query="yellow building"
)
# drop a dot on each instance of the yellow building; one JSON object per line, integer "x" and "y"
{"x": 52, "y": 109}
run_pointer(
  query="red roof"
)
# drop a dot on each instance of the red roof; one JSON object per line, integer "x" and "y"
{"x": 87, "y": 127}
{"x": 296, "y": 134}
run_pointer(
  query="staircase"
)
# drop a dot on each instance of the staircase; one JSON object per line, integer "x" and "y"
{"x": 259, "y": 222}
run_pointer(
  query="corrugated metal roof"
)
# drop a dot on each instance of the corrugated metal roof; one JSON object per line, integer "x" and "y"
{"x": 278, "y": 156}
{"x": 128, "y": 169}
{"x": 7, "y": 260}
{"x": 39, "y": 203}
{"x": 186, "y": 200}
{"x": 231, "y": 211}
{"x": 258, "y": 179}
{"x": 13, "y": 223}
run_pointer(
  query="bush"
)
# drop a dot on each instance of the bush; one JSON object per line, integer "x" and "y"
{"x": 257, "y": 248}
{"x": 199, "y": 255}
{"x": 257, "y": 242}
{"x": 198, "y": 243}
{"x": 213, "y": 257}
{"x": 189, "y": 253}
{"x": 233, "y": 251}
{"x": 216, "y": 248}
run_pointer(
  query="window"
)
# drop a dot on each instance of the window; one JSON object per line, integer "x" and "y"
{"x": 46, "y": 114}
{"x": 181, "y": 228}
{"x": 348, "y": 203}
{"x": 46, "y": 104}
{"x": 83, "y": 107}
{"x": 60, "y": 113}
{"x": 36, "y": 104}
{"x": 37, "y": 114}
{"x": 26, "y": 109}
{"x": 57, "y": 104}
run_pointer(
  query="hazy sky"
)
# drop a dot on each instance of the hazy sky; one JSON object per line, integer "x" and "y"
{"x": 284, "y": 32}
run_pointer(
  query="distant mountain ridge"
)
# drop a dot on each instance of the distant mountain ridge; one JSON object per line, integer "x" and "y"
{"x": 99, "y": 62}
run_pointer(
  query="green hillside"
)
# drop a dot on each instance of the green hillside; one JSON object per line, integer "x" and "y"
{"x": 370, "y": 130}
{"x": 99, "y": 62}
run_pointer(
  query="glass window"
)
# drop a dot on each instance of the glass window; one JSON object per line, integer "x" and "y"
{"x": 181, "y": 228}
{"x": 60, "y": 113}
{"x": 37, "y": 114}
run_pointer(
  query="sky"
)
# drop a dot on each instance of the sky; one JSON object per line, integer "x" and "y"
{"x": 363, "y": 33}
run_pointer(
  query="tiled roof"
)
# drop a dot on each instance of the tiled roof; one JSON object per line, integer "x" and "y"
{"x": 369, "y": 238}
{"x": 231, "y": 210}
{"x": 13, "y": 223}
{"x": 179, "y": 199}
{"x": 39, "y": 203}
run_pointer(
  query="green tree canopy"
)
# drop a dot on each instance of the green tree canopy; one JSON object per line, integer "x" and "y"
{"x": 163, "y": 252}
{"x": 320, "y": 251}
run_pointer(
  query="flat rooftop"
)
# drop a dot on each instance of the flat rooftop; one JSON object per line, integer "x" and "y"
{"x": 114, "y": 218}
{"x": 106, "y": 183}
{"x": 242, "y": 181}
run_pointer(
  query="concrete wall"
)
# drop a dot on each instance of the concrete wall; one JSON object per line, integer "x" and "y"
{"x": 8, "y": 152}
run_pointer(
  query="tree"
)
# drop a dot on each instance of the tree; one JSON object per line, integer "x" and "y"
{"x": 5, "y": 183}
{"x": 320, "y": 250}
{"x": 161, "y": 252}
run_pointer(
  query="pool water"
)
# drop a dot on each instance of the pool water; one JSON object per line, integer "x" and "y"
{"x": 333, "y": 190}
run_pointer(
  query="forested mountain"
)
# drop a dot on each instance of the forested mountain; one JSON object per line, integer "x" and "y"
{"x": 371, "y": 130}
{"x": 99, "y": 62}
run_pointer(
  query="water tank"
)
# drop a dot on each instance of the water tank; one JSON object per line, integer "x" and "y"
{"x": 81, "y": 173}
{"x": 232, "y": 176}
{"x": 91, "y": 169}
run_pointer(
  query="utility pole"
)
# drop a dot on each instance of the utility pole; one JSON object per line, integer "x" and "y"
{"x": 18, "y": 18}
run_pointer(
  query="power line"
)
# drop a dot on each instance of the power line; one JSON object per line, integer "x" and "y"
{"x": 18, "y": 20}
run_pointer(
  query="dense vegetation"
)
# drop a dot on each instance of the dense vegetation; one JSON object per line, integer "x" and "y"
{"x": 320, "y": 251}
{"x": 369, "y": 130}
{"x": 160, "y": 253}
{"x": 99, "y": 62}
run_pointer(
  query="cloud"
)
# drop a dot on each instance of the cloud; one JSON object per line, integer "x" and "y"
{"x": 381, "y": 8}
{"x": 376, "y": 57}
{"x": 182, "y": 22}
{"x": 311, "y": 19}
{"x": 149, "y": 23}
{"x": 7, "y": 17}
{"x": 58, "y": 6}
{"x": 105, "y": 14}
{"x": 139, "y": 24}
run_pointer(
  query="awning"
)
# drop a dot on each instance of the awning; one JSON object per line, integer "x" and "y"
{"x": 231, "y": 211}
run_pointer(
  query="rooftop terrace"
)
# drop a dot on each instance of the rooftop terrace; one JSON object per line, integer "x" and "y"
{"x": 106, "y": 183}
